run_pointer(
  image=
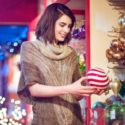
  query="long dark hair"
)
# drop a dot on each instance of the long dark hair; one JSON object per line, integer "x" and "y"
{"x": 45, "y": 28}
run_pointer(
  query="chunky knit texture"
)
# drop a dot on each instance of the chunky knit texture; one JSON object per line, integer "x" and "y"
{"x": 55, "y": 66}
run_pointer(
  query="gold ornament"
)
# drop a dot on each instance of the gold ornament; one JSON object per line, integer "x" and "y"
{"x": 115, "y": 86}
{"x": 81, "y": 59}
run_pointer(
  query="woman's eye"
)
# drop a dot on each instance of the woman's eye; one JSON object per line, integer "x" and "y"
{"x": 62, "y": 25}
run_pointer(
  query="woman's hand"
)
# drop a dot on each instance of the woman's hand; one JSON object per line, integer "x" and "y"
{"x": 77, "y": 89}
{"x": 101, "y": 91}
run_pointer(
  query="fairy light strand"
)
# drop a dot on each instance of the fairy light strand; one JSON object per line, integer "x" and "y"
{"x": 17, "y": 114}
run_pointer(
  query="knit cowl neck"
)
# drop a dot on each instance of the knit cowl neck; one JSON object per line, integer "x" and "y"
{"x": 53, "y": 51}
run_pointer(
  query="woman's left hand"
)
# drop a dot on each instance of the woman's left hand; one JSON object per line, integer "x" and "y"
{"x": 101, "y": 91}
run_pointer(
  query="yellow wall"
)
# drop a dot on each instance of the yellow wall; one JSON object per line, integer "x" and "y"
{"x": 102, "y": 18}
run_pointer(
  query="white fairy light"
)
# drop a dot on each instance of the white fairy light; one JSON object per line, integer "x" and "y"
{"x": 5, "y": 120}
{"x": 23, "y": 112}
{"x": 4, "y": 112}
{"x": 18, "y": 108}
{"x": 13, "y": 122}
{"x": 16, "y": 123}
{"x": 17, "y": 102}
{"x": 0, "y": 97}
{"x": 122, "y": 20}
{"x": 17, "y": 113}
{"x": 123, "y": 24}
{"x": 15, "y": 44}
{"x": 3, "y": 100}
{"x": 10, "y": 119}
{"x": 12, "y": 100}
{"x": 1, "y": 115}
{"x": 2, "y": 122}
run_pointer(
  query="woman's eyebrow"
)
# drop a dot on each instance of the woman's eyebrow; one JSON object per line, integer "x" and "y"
{"x": 64, "y": 23}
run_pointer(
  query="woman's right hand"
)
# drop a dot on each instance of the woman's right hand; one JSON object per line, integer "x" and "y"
{"x": 77, "y": 89}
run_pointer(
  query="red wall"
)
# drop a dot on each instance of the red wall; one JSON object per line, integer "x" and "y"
{"x": 18, "y": 10}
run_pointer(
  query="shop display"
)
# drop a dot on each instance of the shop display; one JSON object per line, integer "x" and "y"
{"x": 116, "y": 57}
{"x": 115, "y": 113}
{"x": 112, "y": 110}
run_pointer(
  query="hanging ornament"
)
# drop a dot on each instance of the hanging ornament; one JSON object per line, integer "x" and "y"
{"x": 81, "y": 60}
{"x": 79, "y": 33}
{"x": 113, "y": 106}
{"x": 116, "y": 52}
{"x": 113, "y": 99}
{"x": 115, "y": 86}
{"x": 122, "y": 91}
{"x": 121, "y": 20}
{"x": 122, "y": 109}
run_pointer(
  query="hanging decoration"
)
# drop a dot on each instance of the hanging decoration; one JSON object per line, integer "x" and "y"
{"x": 117, "y": 4}
{"x": 79, "y": 30}
{"x": 121, "y": 20}
{"x": 109, "y": 112}
{"x": 115, "y": 86}
{"x": 112, "y": 99}
{"x": 99, "y": 104}
{"x": 115, "y": 114}
{"x": 79, "y": 33}
{"x": 122, "y": 90}
{"x": 116, "y": 52}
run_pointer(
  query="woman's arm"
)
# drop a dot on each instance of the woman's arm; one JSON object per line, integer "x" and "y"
{"x": 39, "y": 90}
{"x": 76, "y": 89}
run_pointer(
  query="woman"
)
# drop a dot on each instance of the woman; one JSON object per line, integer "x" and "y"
{"x": 50, "y": 78}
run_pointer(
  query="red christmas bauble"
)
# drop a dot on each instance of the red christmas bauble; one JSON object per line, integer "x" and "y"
{"x": 97, "y": 77}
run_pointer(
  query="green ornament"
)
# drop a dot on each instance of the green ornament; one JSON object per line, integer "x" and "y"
{"x": 82, "y": 68}
{"x": 113, "y": 106}
{"x": 122, "y": 90}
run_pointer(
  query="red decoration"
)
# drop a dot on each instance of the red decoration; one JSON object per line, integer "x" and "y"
{"x": 97, "y": 77}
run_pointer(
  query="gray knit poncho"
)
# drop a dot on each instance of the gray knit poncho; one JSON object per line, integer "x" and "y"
{"x": 54, "y": 66}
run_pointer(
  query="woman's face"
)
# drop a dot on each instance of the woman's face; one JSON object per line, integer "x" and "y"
{"x": 62, "y": 27}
